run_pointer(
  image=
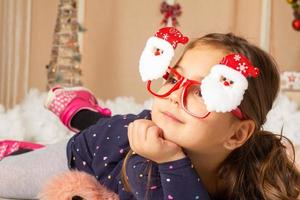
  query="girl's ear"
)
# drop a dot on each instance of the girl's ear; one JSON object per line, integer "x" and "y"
{"x": 242, "y": 132}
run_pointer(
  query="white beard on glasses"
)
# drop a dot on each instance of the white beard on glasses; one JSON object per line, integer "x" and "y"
{"x": 155, "y": 58}
{"x": 221, "y": 97}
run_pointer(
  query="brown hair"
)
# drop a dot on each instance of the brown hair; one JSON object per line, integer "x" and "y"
{"x": 261, "y": 168}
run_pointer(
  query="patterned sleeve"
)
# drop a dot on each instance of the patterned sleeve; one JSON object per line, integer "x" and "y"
{"x": 179, "y": 180}
{"x": 98, "y": 149}
{"x": 141, "y": 184}
{"x": 170, "y": 180}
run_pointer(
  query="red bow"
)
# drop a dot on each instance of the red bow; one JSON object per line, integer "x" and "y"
{"x": 170, "y": 11}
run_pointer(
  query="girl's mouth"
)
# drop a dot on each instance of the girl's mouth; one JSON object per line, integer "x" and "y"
{"x": 172, "y": 117}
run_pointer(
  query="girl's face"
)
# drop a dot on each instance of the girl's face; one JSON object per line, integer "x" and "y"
{"x": 204, "y": 136}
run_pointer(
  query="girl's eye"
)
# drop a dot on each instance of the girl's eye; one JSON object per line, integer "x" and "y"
{"x": 171, "y": 80}
{"x": 198, "y": 92}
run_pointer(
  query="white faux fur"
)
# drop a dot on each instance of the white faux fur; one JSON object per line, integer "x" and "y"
{"x": 218, "y": 97}
{"x": 285, "y": 116}
{"x": 152, "y": 67}
{"x": 32, "y": 122}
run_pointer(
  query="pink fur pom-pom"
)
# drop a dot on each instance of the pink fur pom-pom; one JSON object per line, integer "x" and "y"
{"x": 76, "y": 185}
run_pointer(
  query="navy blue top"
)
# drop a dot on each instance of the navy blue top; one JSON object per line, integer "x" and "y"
{"x": 100, "y": 151}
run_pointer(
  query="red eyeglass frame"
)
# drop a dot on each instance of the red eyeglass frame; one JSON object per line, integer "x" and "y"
{"x": 185, "y": 82}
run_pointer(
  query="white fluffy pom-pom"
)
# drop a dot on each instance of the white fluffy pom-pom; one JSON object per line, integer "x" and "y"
{"x": 219, "y": 97}
{"x": 153, "y": 66}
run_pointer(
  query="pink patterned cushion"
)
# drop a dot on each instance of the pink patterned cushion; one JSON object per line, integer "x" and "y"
{"x": 7, "y": 147}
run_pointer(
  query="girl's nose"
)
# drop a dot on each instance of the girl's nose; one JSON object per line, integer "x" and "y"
{"x": 175, "y": 96}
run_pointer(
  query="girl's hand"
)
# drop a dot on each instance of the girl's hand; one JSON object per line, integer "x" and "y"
{"x": 146, "y": 139}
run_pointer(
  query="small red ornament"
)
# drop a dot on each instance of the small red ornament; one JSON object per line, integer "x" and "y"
{"x": 296, "y": 24}
{"x": 170, "y": 12}
{"x": 296, "y": 7}
{"x": 292, "y": 1}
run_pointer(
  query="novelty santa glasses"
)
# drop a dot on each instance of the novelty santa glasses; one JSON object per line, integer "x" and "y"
{"x": 222, "y": 90}
{"x": 191, "y": 99}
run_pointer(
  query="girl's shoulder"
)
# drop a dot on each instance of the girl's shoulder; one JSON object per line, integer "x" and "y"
{"x": 124, "y": 119}
{"x": 145, "y": 114}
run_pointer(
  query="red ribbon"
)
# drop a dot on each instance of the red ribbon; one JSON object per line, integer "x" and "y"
{"x": 170, "y": 11}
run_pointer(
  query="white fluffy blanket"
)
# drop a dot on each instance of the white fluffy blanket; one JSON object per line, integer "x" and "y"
{"x": 31, "y": 121}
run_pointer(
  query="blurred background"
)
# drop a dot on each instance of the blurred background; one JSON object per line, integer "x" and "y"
{"x": 103, "y": 50}
{"x": 116, "y": 32}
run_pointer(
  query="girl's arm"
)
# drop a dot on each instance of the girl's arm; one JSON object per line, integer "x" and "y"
{"x": 141, "y": 185}
{"x": 179, "y": 180}
{"x": 99, "y": 149}
{"x": 170, "y": 180}
{"x": 175, "y": 172}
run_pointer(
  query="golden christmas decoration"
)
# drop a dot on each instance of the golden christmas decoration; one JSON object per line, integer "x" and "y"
{"x": 64, "y": 66}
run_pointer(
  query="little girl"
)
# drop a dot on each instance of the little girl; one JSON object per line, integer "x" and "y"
{"x": 202, "y": 139}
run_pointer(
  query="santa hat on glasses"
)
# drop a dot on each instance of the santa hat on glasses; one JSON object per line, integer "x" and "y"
{"x": 224, "y": 87}
{"x": 159, "y": 51}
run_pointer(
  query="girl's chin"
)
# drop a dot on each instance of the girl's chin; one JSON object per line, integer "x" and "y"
{"x": 169, "y": 132}
{"x": 169, "y": 128}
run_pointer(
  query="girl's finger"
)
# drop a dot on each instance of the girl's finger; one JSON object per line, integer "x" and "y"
{"x": 142, "y": 130}
{"x": 154, "y": 135}
{"x": 135, "y": 132}
{"x": 129, "y": 133}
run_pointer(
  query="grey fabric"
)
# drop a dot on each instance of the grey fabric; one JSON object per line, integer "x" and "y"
{"x": 23, "y": 176}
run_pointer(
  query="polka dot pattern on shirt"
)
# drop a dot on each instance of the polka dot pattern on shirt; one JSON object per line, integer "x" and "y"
{"x": 100, "y": 149}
